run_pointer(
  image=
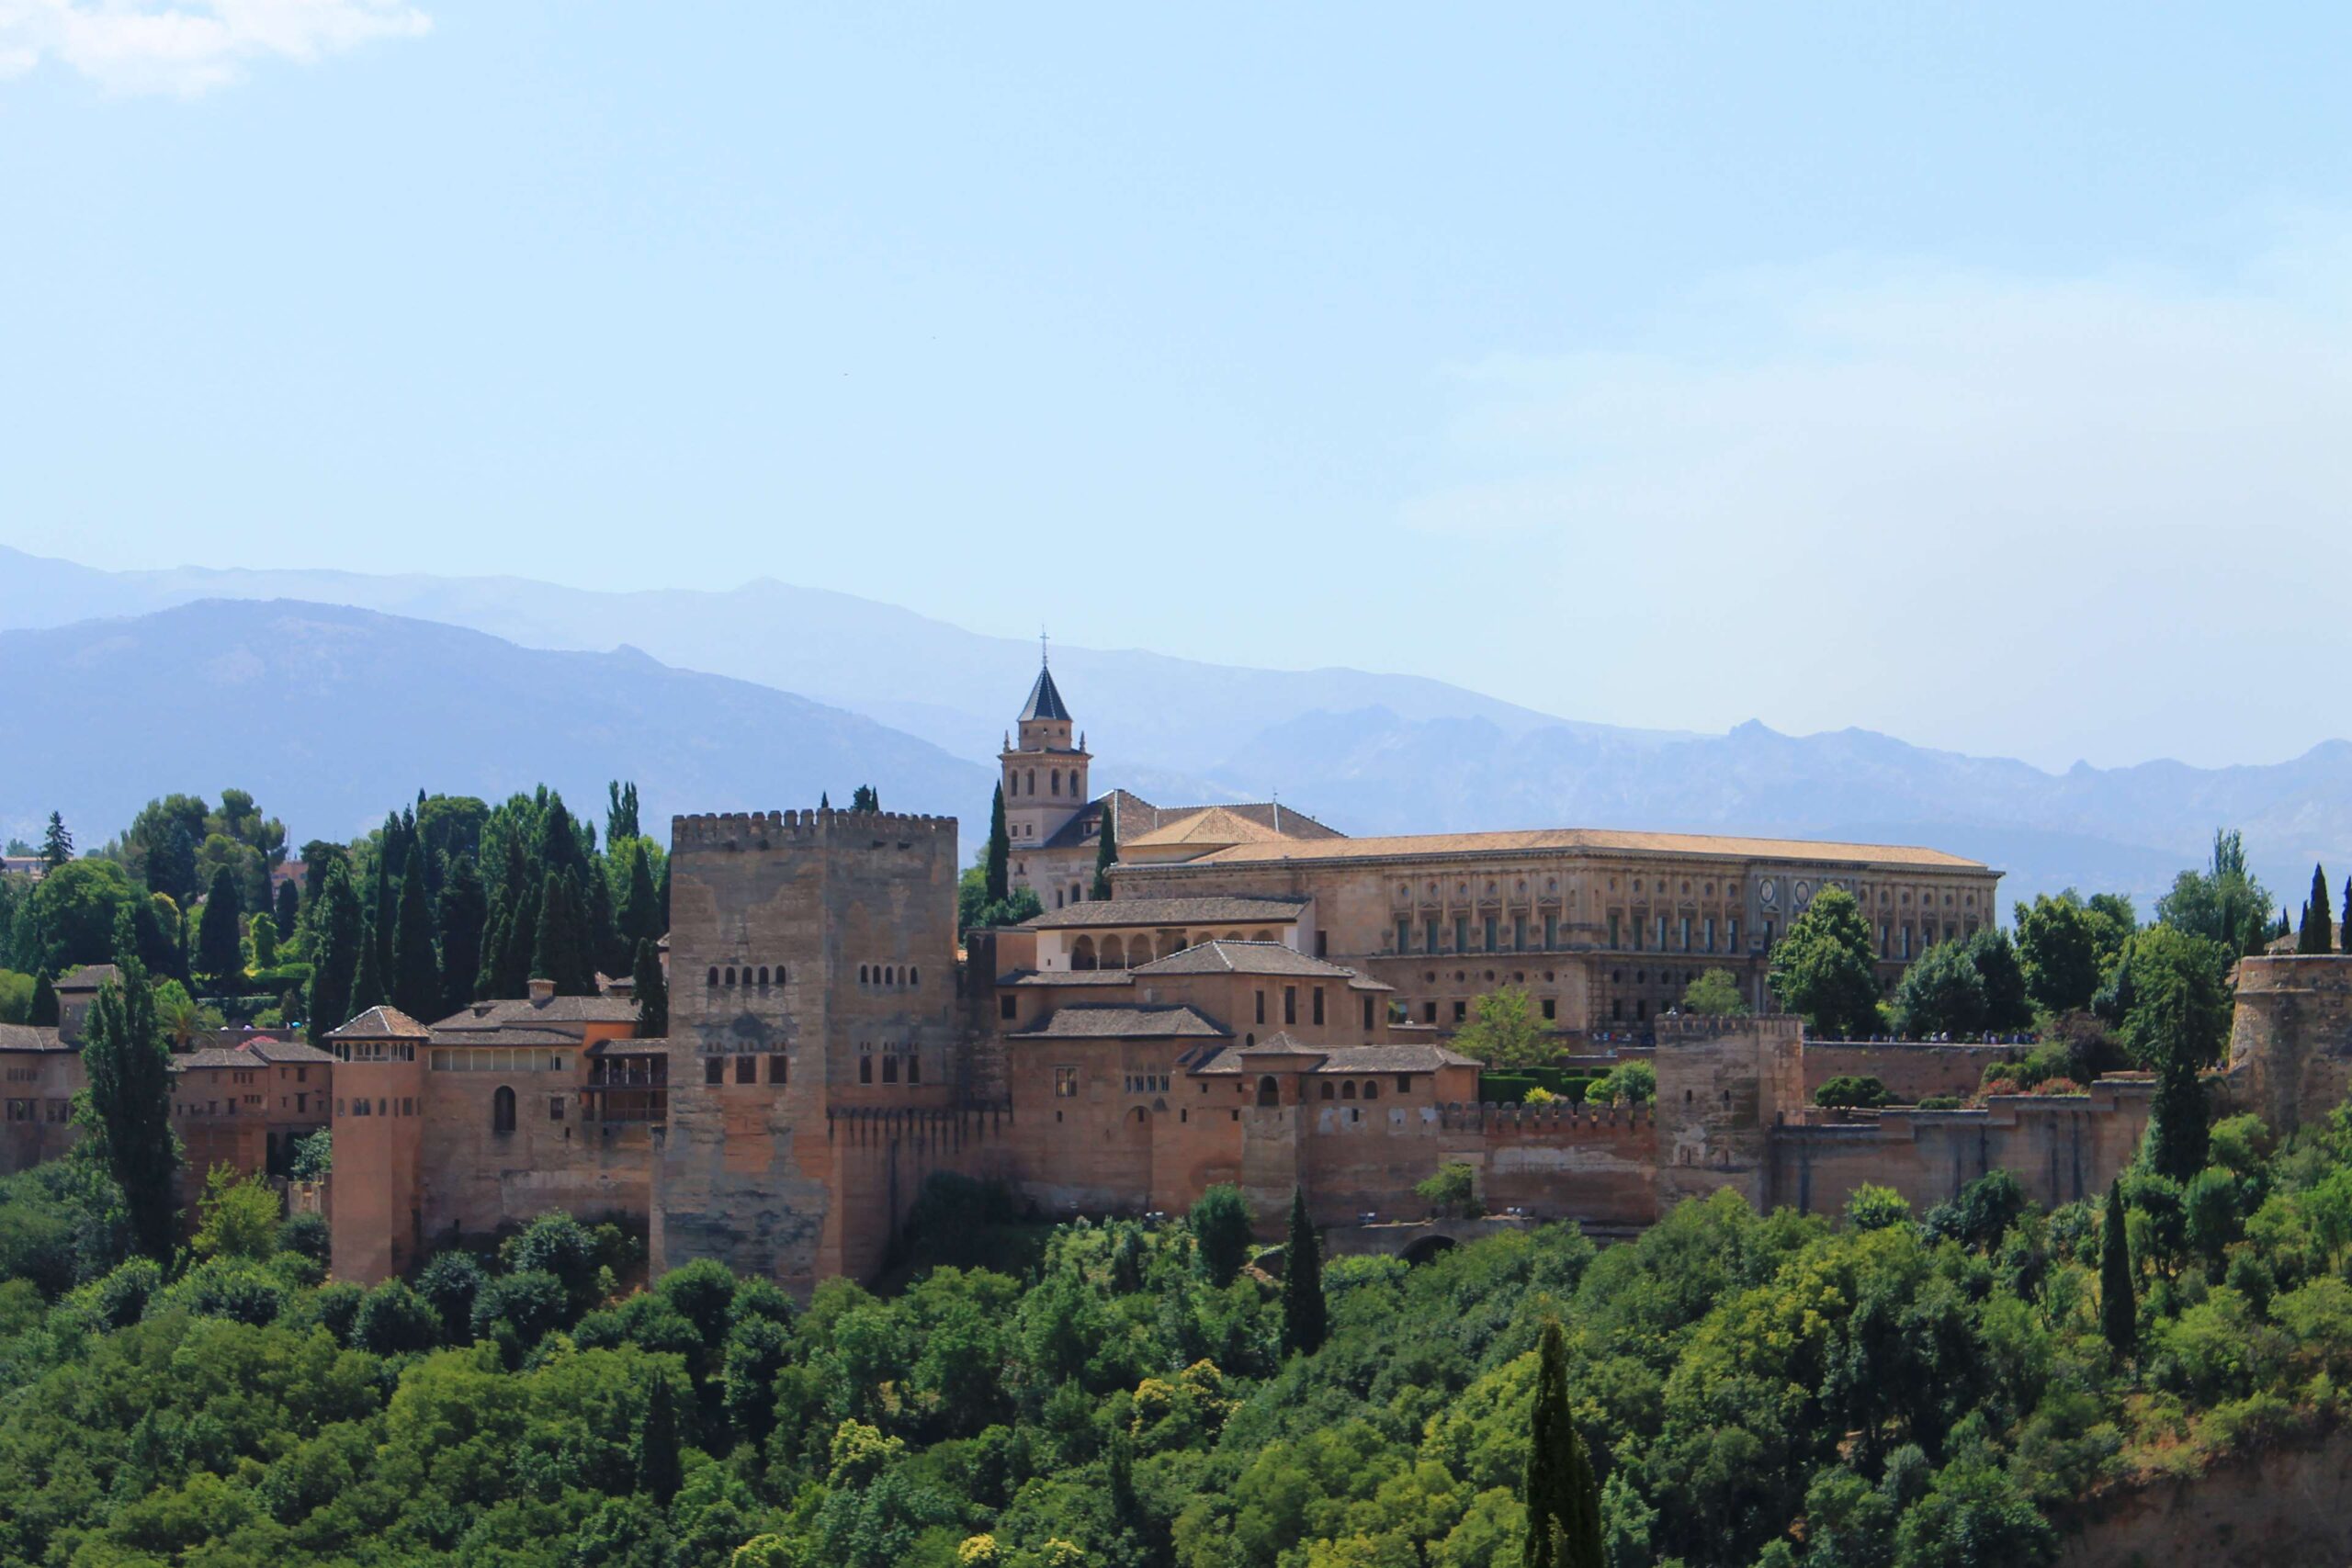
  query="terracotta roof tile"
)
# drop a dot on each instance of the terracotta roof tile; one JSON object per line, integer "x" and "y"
{"x": 1166, "y": 912}
{"x": 1121, "y": 1023}
{"x": 1603, "y": 840}
{"x": 26, "y": 1037}
{"x": 381, "y": 1023}
{"x": 1222, "y": 957}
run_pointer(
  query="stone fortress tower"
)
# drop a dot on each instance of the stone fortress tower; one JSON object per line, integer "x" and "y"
{"x": 2290, "y": 1040}
{"x": 813, "y": 1000}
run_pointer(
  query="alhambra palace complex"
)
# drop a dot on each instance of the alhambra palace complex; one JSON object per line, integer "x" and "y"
{"x": 1262, "y": 1001}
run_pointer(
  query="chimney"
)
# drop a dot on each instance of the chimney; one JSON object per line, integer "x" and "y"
{"x": 542, "y": 992}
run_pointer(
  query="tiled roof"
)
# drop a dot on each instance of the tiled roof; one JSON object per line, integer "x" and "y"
{"x": 24, "y": 1037}
{"x": 211, "y": 1056}
{"x": 630, "y": 1046}
{"x": 290, "y": 1052}
{"x": 1592, "y": 840}
{"x": 1221, "y": 957}
{"x": 1068, "y": 977}
{"x": 1166, "y": 912}
{"x": 520, "y": 1035}
{"x": 381, "y": 1023}
{"x": 522, "y": 1012}
{"x": 1404, "y": 1056}
{"x": 1123, "y": 1023}
{"x": 88, "y": 977}
{"x": 1138, "y": 817}
{"x": 1218, "y": 825}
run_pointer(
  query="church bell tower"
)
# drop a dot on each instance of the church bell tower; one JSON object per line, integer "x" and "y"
{"x": 1044, "y": 774}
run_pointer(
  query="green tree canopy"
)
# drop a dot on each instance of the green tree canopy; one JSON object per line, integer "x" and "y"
{"x": 1715, "y": 994}
{"x": 1823, "y": 968}
{"x": 2224, "y": 904}
{"x": 1220, "y": 1224}
{"x": 2058, "y": 944}
{"x": 1940, "y": 993}
{"x": 127, "y": 1109}
{"x": 1504, "y": 1032}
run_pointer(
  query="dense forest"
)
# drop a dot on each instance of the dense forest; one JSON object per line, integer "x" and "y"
{"x": 1883, "y": 1388}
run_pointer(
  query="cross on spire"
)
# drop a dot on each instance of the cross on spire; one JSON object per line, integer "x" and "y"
{"x": 1045, "y": 654}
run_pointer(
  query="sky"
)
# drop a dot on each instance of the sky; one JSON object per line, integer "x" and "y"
{"x": 1977, "y": 374}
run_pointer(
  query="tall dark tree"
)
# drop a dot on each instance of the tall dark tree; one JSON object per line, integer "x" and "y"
{"x": 1106, "y": 855}
{"x": 128, "y": 1111}
{"x": 652, "y": 992}
{"x": 639, "y": 916}
{"x": 865, "y": 799}
{"x": 2008, "y": 1005}
{"x": 1563, "y": 1499}
{"x": 659, "y": 1470}
{"x": 219, "y": 956}
{"x": 1306, "y": 1317}
{"x": 620, "y": 816}
{"x": 561, "y": 953}
{"x": 2179, "y": 1018}
{"x": 290, "y": 906}
{"x": 414, "y": 983}
{"x": 522, "y": 940}
{"x": 2118, "y": 1302}
{"x": 44, "y": 1009}
{"x": 367, "y": 976}
{"x": 57, "y": 844}
{"x": 560, "y": 846}
{"x": 336, "y": 936}
{"x": 2318, "y": 934}
{"x": 461, "y": 917}
{"x": 999, "y": 862}
{"x": 171, "y": 864}
{"x": 606, "y": 954}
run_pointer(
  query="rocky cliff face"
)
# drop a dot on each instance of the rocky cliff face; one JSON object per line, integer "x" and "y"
{"x": 2277, "y": 1508}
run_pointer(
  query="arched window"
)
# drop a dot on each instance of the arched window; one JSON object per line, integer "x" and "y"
{"x": 714, "y": 974}
{"x": 1081, "y": 954}
{"x": 1033, "y": 781}
{"x": 861, "y": 973}
{"x": 779, "y": 974}
{"x": 1329, "y": 1092}
{"x": 1348, "y": 1089}
{"x": 730, "y": 974}
{"x": 1115, "y": 953}
{"x": 889, "y": 1070}
{"x": 914, "y": 1067}
{"x": 915, "y": 976}
{"x": 1055, "y": 782}
{"x": 1269, "y": 1092}
{"x": 1371, "y": 1089}
{"x": 502, "y": 1110}
{"x": 866, "y": 1070}
{"x": 763, "y": 976}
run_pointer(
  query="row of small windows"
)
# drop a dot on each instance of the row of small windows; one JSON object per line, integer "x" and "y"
{"x": 56, "y": 1112}
{"x": 1689, "y": 935}
{"x": 1019, "y": 777}
{"x": 747, "y": 976}
{"x": 890, "y": 1061}
{"x": 1491, "y": 930}
{"x": 747, "y": 1067}
{"x": 889, "y": 974}
{"x": 406, "y": 1106}
{"x": 495, "y": 1059}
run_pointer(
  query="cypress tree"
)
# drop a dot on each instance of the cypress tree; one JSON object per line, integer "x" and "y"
{"x": 652, "y": 993}
{"x": 1563, "y": 1501}
{"x": 44, "y": 1013}
{"x": 462, "y": 915}
{"x": 290, "y": 906}
{"x": 416, "y": 979}
{"x": 620, "y": 815}
{"x": 2119, "y": 1304}
{"x": 219, "y": 956}
{"x": 1106, "y": 855}
{"x": 522, "y": 940}
{"x": 56, "y": 844}
{"x": 600, "y": 938}
{"x": 560, "y": 952}
{"x": 639, "y": 915}
{"x": 999, "y": 851}
{"x": 864, "y": 798}
{"x": 2318, "y": 933}
{"x": 824, "y": 801}
{"x": 383, "y": 902}
{"x": 1305, "y": 1314}
{"x": 367, "y": 976}
{"x": 128, "y": 1111}
{"x": 171, "y": 869}
{"x": 657, "y": 1470}
{"x": 334, "y": 952}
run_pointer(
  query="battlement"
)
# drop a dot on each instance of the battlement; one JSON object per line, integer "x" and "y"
{"x": 1710, "y": 1026}
{"x": 1560, "y": 1118}
{"x": 778, "y": 829}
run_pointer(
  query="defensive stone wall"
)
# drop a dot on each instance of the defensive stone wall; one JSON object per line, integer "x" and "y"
{"x": 2291, "y": 1046}
{"x": 1723, "y": 1085}
{"x": 1911, "y": 1070}
{"x": 2061, "y": 1147}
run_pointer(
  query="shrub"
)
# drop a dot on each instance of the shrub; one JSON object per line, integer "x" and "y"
{"x": 1848, "y": 1089}
{"x": 1627, "y": 1083}
{"x": 394, "y": 1321}
{"x": 450, "y": 1284}
{"x": 306, "y": 1235}
{"x": 1220, "y": 1223}
{"x": 1875, "y": 1208}
{"x": 1452, "y": 1192}
{"x": 1940, "y": 1102}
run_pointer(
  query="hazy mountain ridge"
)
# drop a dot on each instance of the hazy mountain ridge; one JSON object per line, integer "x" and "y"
{"x": 1365, "y": 752}
{"x": 332, "y": 715}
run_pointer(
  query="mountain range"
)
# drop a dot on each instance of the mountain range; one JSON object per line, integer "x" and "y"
{"x": 762, "y": 694}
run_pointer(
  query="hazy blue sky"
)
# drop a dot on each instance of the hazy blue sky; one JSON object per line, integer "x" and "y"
{"x": 1977, "y": 374}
